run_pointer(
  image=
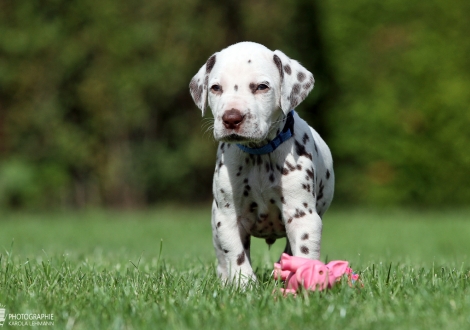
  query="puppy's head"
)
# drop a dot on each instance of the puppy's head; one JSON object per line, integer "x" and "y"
{"x": 249, "y": 89}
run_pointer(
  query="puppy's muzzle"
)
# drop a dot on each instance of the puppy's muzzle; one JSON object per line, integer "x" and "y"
{"x": 232, "y": 119}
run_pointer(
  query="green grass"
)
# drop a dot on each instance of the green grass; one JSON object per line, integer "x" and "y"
{"x": 155, "y": 270}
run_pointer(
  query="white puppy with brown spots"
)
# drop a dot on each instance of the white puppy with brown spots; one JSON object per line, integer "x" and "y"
{"x": 274, "y": 173}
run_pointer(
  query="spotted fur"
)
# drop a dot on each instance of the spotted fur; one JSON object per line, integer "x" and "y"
{"x": 281, "y": 194}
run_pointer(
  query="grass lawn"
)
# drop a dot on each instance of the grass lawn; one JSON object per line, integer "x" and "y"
{"x": 155, "y": 270}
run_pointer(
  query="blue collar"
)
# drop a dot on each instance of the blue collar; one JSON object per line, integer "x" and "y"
{"x": 272, "y": 145}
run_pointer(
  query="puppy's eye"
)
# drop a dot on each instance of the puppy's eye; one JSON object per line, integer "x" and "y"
{"x": 216, "y": 88}
{"x": 262, "y": 87}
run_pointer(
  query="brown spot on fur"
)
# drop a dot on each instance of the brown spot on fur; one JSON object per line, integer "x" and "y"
{"x": 193, "y": 85}
{"x": 193, "y": 88}
{"x": 320, "y": 193}
{"x": 196, "y": 91}
{"x": 305, "y": 138}
{"x": 304, "y": 237}
{"x": 241, "y": 258}
{"x": 293, "y": 101}
{"x": 300, "y": 76}
{"x": 290, "y": 166}
{"x": 310, "y": 173}
{"x": 210, "y": 64}
{"x": 278, "y": 63}
{"x": 287, "y": 69}
{"x": 295, "y": 89}
{"x": 304, "y": 249}
{"x": 300, "y": 150}
{"x": 299, "y": 213}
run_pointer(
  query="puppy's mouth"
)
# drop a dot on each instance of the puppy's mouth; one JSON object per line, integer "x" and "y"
{"x": 235, "y": 138}
{"x": 248, "y": 137}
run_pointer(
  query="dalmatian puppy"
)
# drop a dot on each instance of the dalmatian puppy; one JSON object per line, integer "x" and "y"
{"x": 273, "y": 176}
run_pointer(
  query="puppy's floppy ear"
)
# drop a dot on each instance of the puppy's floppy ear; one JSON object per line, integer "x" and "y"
{"x": 296, "y": 81}
{"x": 198, "y": 85}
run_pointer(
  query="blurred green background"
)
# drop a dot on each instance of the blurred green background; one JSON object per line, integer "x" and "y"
{"x": 95, "y": 109}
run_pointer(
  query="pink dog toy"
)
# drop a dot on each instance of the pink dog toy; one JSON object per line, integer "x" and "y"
{"x": 310, "y": 274}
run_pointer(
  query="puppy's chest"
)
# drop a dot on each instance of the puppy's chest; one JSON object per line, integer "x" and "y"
{"x": 253, "y": 187}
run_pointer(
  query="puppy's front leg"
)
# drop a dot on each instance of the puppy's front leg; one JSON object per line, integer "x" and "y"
{"x": 304, "y": 231}
{"x": 232, "y": 247}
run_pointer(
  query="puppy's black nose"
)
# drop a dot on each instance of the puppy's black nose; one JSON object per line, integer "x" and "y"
{"x": 232, "y": 118}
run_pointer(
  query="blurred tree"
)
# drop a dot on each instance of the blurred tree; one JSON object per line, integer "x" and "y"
{"x": 91, "y": 94}
{"x": 307, "y": 45}
{"x": 400, "y": 119}
{"x": 95, "y": 109}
